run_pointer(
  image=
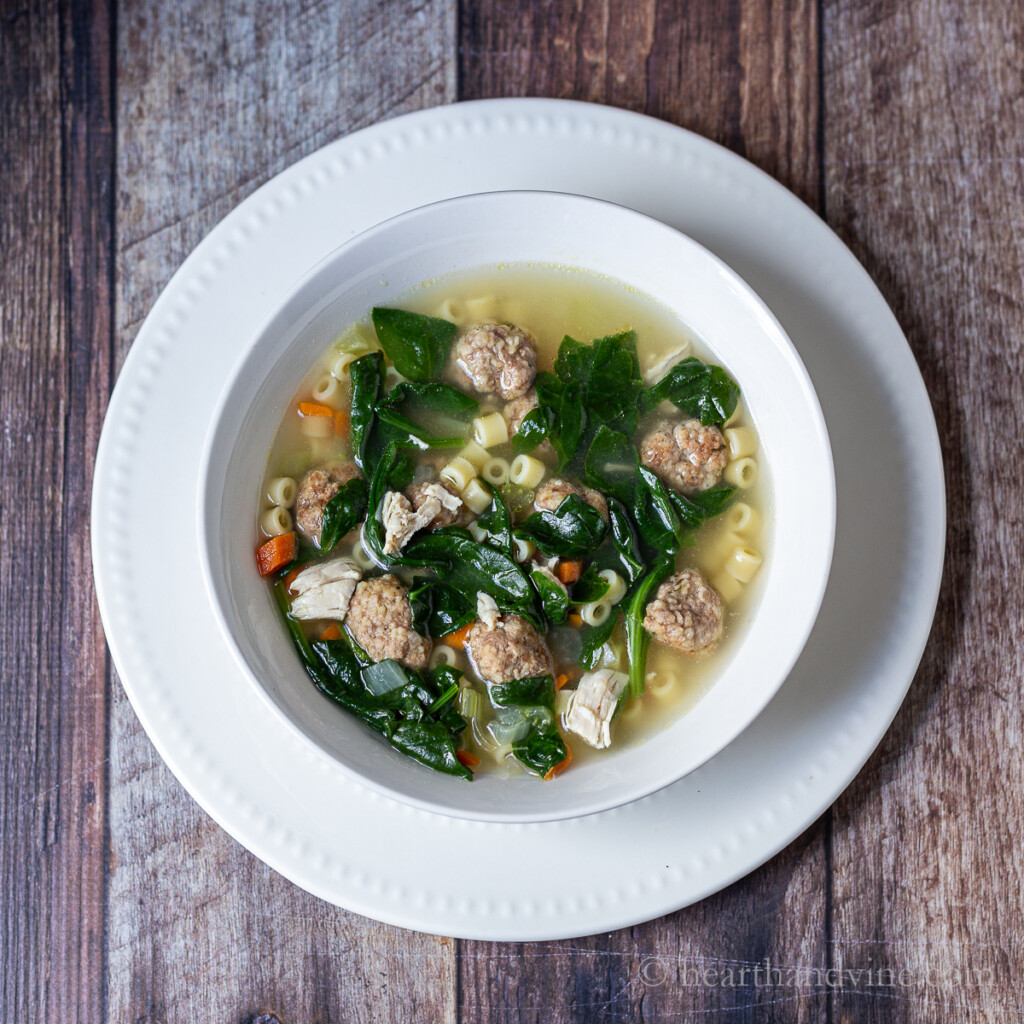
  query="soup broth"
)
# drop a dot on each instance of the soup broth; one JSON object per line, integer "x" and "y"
{"x": 551, "y": 303}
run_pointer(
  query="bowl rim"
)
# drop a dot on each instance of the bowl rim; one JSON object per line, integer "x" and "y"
{"x": 208, "y": 542}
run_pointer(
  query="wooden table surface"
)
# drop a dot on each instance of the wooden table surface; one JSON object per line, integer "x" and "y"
{"x": 127, "y": 130}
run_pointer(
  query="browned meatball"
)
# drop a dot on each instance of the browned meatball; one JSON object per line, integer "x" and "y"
{"x": 687, "y": 456}
{"x": 498, "y": 359}
{"x": 509, "y": 649}
{"x": 317, "y": 488}
{"x": 686, "y": 614}
{"x": 463, "y": 516}
{"x": 518, "y": 409}
{"x": 380, "y": 619}
{"x": 553, "y": 492}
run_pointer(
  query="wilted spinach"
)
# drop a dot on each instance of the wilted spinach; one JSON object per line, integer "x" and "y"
{"x": 542, "y": 747}
{"x": 418, "y": 345}
{"x": 344, "y": 511}
{"x": 573, "y": 530}
{"x": 701, "y": 390}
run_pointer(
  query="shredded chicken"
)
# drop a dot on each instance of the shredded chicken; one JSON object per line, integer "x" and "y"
{"x": 487, "y": 610}
{"x": 324, "y": 590}
{"x": 593, "y": 704}
{"x": 401, "y": 520}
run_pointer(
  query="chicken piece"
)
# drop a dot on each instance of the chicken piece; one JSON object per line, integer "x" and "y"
{"x": 506, "y": 647}
{"x": 553, "y": 492}
{"x": 380, "y": 621}
{"x": 498, "y": 359}
{"x": 453, "y": 510}
{"x": 688, "y": 456}
{"x": 686, "y": 614}
{"x": 487, "y": 610}
{"x": 317, "y": 488}
{"x": 323, "y": 591}
{"x": 593, "y": 704}
{"x": 401, "y": 519}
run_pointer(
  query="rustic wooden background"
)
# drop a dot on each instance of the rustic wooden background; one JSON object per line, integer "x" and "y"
{"x": 127, "y": 130}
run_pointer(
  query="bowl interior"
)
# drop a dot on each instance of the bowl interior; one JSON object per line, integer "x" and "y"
{"x": 376, "y": 268}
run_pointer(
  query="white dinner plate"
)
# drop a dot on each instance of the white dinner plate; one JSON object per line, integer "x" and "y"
{"x": 290, "y": 805}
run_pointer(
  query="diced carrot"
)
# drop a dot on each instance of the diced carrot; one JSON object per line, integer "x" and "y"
{"x": 332, "y": 632}
{"x": 341, "y": 423}
{"x": 466, "y": 758}
{"x": 561, "y": 680}
{"x": 458, "y": 638}
{"x": 569, "y": 572}
{"x": 557, "y": 769}
{"x": 575, "y": 619}
{"x": 276, "y": 553}
{"x": 314, "y": 409}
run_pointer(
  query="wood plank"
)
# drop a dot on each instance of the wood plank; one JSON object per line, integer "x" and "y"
{"x": 744, "y": 74}
{"x": 212, "y": 100}
{"x": 55, "y": 357}
{"x": 924, "y": 176}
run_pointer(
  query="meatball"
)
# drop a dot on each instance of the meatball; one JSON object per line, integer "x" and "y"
{"x": 498, "y": 358}
{"x": 518, "y": 409}
{"x": 507, "y": 648}
{"x": 688, "y": 455}
{"x": 380, "y": 620}
{"x": 553, "y": 492}
{"x": 317, "y": 488}
{"x": 686, "y": 614}
{"x": 460, "y": 516}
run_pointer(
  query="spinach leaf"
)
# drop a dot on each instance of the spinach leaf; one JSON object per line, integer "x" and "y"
{"x": 541, "y": 751}
{"x": 403, "y": 431}
{"x": 701, "y": 390}
{"x": 563, "y": 405}
{"x": 611, "y": 464}
{"x": 367, "y": 377}
{"x": 343, "y": 512}
{"x": 694, "y": 509}
{"x": 655, "y": 515}
{"x": 431, "y": 399}
{"x": 573, "y": 530}
{"x": 497, "y": 522}
{"x": 591, "y": 586}
{"x": 468, "y": 566}
{"x": 532, "y": 430}
{"x": 637, "y": 639}
{"x": 595, "y": 637}
{"x": 418, "y": 345}
{"x": 439, "y": 609}
{"x": 554, "y": 598}
{"x": 530, "y": 692}
{"x": 431, "y": 744}
{"x": 393, "y": 472}
{"x": 628, "y": 562}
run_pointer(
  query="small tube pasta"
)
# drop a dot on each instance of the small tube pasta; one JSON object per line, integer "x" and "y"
{"x": 663, "y": 683}
{"x": 317, "y": 426}
{"x": 477, "y": 532}
{"x": 741, "y": 473}
{"x": 522, "y": 549}
{"x": 737, "y": 415}
{"x": 729, "y": 588}
{"x": 595, "y": 613}
{"x": 483, "y": 309}
{"x": 276, "y": 521}
{"x": 459, "y": 472}
{"x": 282, "y": 491}
{"x": 743, "y": 564}
{"x": 442, "y": 654}
{"x": 451, "y": 309}
{"x": 616, "y": 586}
{"x": 476, "y": 496}
{"x": 490, "y": 430}
{"x": 526, "y": 471}
{"x": 328, "y": 391}
{"x": 742, "y": 441}
{"x": 740, "y": 518}
{"x": 362, "y": 557}
{"x": 339, "y": 368}
{"x": 475, "y": 455}
{"x": 496, "y": 471}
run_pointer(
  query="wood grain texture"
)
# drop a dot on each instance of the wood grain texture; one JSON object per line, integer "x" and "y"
{"x": 924, "y": 165}
{"x": 745, "y": 74}
{"x": 212, "y": 101}
{"x": 55, "y": 365}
